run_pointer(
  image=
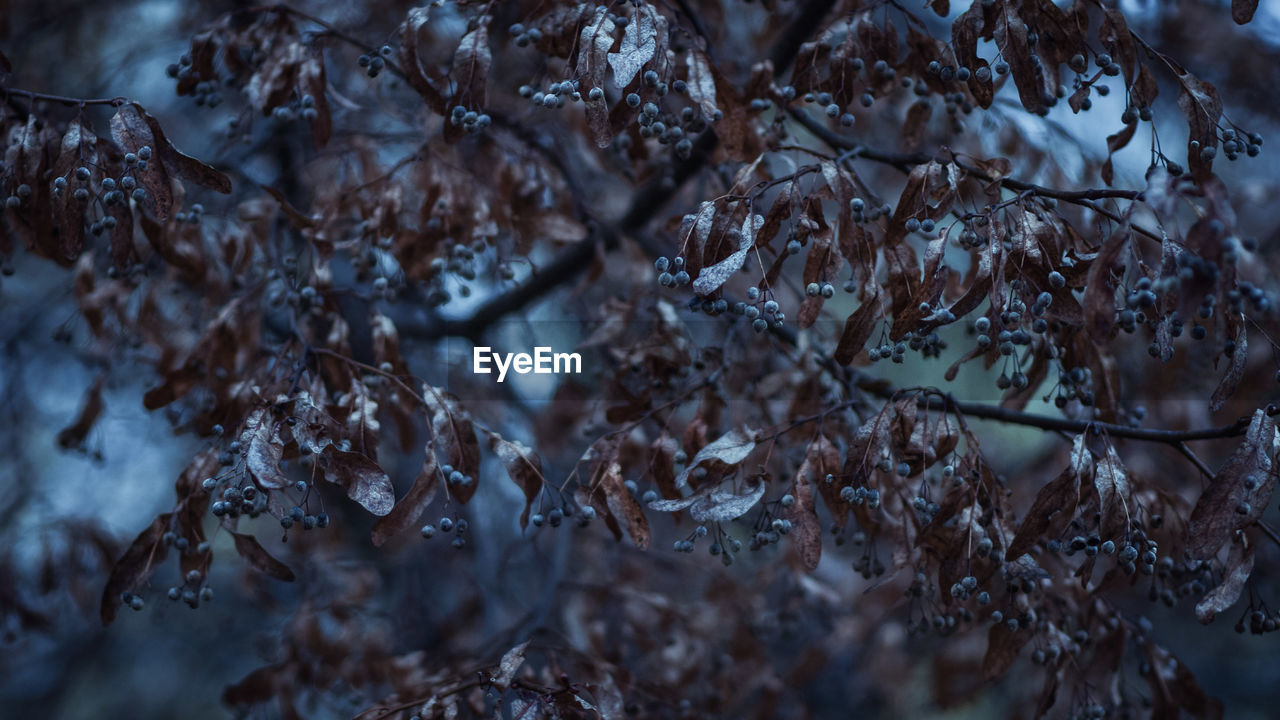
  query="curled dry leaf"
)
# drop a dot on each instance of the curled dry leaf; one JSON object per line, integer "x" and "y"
{"x": 455, "y": 437}
{"x": 1239, "y": 567}
{"x": 710, "y": 278}
{"x": 364, "y": 481}
{"x": 728, "y": 450}
{"x": 523, "y": 466}
{"x": 259, "y": 559}
{"x": 720, "y": 503}
{"x": 624, "y": 506}
{"x": 261, "y": 437}
{"x": 1243, "y": 483}
{"x": 138, "y": 562}
{"x": 639, "y": 44}
{"x": 806, "y": 531}
{"x": 509, "y": 666}
{"x": 410, "y": 507}
{"x": 131, "y": 131}
{"x": 1055, "y": 505}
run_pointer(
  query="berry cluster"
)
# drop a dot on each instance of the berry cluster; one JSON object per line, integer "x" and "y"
{"x": 446, "y": 524}
{"x": 375, "y": 62}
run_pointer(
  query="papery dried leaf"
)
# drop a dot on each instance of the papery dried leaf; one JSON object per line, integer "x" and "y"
{"x": 701, "y": 82}
{"x": 1111, "y": 481}
{"x": 1114, "y": 144}
{"x": 857, "y": 330}
{"x": 364, "y": 481}
{"x": 509, "y": 666}
{"x": 729, "y": 450}
{"x": 710, "y": 278}
{"x": 259, "y": 559}
{"x": 131, "y": 131}
{"x": 1011, "y": 36}
{"x": 415, "y": 37}
{"x": 624, "y": 506}
{"x": 1100, "y": 289}
{"x": 914, "y": 126}
{"x": 455, "y": 436}
{"x": 1229, "y": 504}
{"x": 523, "y": 466}
{"x": 1202, "y": 107}
{"x": 1235, "y": 371}
{"x": 1239, "y": 567}
{"x": 1115, "y": 37}
{"x": 261, "y": 438}
{"x": 639, "y": 44}
{"x": 185, "y": 167}
{"x": 133, "y": 568}
{"x": 662, "y": 465}
{"x": 595, "y": 42}
{"x": 1055, "y": 504}
{"x": 720, "y": 503}
{"x": 471, "y": 63}
{"x": 410, "y": 507}
{"x": 806, "y": 531}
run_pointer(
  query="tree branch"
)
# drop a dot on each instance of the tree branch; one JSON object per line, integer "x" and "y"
{"x": 646, "y": 203}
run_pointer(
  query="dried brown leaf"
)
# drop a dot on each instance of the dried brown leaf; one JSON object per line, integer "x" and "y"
{"x": 728, "y": 450}
{"x": 1229, "y": 504}
{"x": 259, "y": 559}
{"x": 365, "y": 482}
{"x": 523, "y": 466}
{"x": 138, "y": 562}
{"x": 410, "y": 507}
{"x": 1239, "y": 567}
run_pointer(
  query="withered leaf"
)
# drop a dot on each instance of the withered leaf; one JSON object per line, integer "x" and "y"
{"x": 702, "y": 83}
{"x": 1235, "y": 371}
{"x": 712, "y": 277}
{"x": 1202, "y": 107}
{"x": 595, "y": 41}
{"x": 729, "y": 449}
{"x": 523, "y": 466}
{"x": 455, "y": 437}
{"x": 137, "y": 564}
{"x": 471, "y": 63}
{"x": 639, "y": 43}
{"x": 259, "y": 559}
{"x": 1112, "y": 483}
{"x": 189, "y": 169}
{"x": 365, "y": 482}
{"x": 509, "y": 666}
{"x": 1218, "y": 513}
{"x": 131, "y": 131}
{"x": 1055, "y": 504}
{"x": 265, "y": 448}
{"x": 720, "y": 503}
{"x": 806, "y": 532}
{"x": 857, "y": 330}
{"x": 1239, "y": 567}
{"x": 415, "y": 34}
{"x": 624, "y": 506}
{"x": 410, "y": 507}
